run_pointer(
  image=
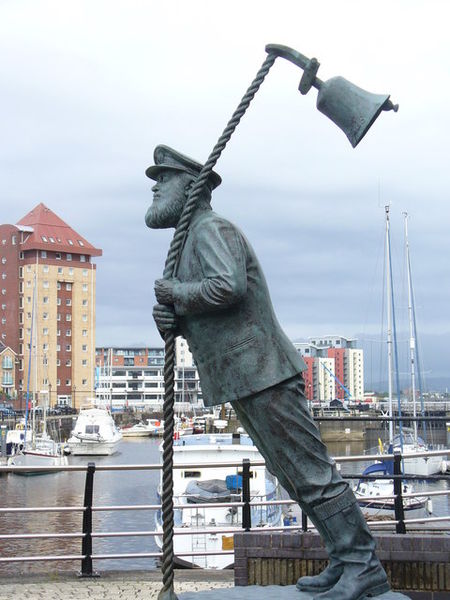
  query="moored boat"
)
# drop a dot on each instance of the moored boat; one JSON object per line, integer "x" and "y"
{"x": 94, "y": 434}
{"x": 194, "y": 487}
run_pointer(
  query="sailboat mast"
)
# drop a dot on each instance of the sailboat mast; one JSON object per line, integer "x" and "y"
{"x": 389, "y": 323}
{"x": 412, "y": 339}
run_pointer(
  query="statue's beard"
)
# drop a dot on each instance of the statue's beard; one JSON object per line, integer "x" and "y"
{"x": 164, "y": 213}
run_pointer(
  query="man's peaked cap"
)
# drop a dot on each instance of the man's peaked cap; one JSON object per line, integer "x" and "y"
{"x": 168, "y": 158}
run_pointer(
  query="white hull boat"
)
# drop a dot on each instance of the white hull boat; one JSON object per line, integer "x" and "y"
{"x": 197, "y": 486}
{"x": 371, "y": 496}
{"x": 137, "y": 430}
{"x": 43, "y": 453}
{"x": 94, "y": 434}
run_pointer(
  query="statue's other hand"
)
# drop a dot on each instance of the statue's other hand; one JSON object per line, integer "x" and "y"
{"x": 164, "y": 291}
{"x": 165, "y": 318}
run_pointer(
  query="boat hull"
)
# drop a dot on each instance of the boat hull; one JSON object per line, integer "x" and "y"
{"x": 37, "y": 459}
{"x": 87, "y": 448}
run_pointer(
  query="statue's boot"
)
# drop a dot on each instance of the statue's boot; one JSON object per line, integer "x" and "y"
{"x": 330, "y": 575}
{"x": 353, "y": 545}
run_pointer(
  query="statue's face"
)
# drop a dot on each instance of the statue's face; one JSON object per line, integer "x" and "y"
{"x": 169, "y": 195}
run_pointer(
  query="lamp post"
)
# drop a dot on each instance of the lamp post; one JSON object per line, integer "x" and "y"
{"x": 354, "y": 111}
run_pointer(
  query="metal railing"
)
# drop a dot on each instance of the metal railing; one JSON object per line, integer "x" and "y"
{"x": 87, "y": 535}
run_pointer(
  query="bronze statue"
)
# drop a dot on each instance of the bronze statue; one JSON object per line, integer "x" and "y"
{"x": 219, "y": 301}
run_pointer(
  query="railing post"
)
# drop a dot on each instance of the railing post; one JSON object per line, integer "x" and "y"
{"x": 304, "y": 521}
{"x": 398, "y": 485}
{"x": 86, "y": 544}
{"x": 246, "y": 514}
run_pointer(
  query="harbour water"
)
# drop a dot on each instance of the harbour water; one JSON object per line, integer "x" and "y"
{"x": 113, "y": 488}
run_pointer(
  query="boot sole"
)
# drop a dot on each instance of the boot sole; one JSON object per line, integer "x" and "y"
{"x": 314, "y": 590}
{"x": 376, "y": 591}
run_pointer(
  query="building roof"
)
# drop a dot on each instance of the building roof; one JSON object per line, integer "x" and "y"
{"x": 49, "y": 232}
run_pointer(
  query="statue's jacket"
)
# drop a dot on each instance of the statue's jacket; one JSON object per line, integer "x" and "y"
{"x": 226, "y": 315}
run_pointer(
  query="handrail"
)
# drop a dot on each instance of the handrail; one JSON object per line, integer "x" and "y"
{"x": 87, "y": 556}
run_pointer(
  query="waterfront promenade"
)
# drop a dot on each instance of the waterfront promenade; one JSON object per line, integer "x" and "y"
{"x": 112, "y": 585}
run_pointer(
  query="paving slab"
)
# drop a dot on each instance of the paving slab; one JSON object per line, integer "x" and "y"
{"x": 269, "y": 592}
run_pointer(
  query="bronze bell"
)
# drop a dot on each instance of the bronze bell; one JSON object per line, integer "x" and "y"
{"x": 352, "y": 109}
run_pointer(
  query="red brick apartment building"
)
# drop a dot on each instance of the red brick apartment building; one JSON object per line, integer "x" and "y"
{"x": 47, "y": 308}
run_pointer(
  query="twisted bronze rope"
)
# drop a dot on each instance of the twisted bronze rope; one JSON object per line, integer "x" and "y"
{"x": 169, "y": 269}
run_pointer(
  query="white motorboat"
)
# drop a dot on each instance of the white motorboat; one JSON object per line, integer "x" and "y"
{"x": 371, "y": 495}
{"x": 94, "y": 434}
{"x": 136, "y": 430}
{"x": 156, "y": 426}
{"x": 201, "y": 485}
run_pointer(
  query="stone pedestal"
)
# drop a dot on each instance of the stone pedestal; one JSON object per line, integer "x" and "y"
{"x": 269, "y": 592}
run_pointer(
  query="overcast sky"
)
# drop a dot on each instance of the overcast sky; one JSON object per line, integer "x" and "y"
{"x": 88, "y": 88}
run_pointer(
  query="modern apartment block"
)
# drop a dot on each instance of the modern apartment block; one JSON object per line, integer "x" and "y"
{"x": 335, "y": 369}
{"x": 134, "y": 378}
{"x": 48, "y": 307}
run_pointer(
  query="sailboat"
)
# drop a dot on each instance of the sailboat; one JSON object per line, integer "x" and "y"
{"x": 41, "y": 450}
{"x": 411, "y": 442}
{"x": 368, "y": 492}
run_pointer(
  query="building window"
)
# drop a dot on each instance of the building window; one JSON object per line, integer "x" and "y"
{"x": 58, "y": 348}
{"x": 45, "y": 268}
{"x": 58, "y": 316}
{"x": 85, "y": 287}
{"x": 84, "y": 362}
{"x": 68, "y": 302}
{"x": 85, "y": 318}
{"x": 21, "y": 334}
{"x": 3, "y": 321}
{"x": 70, "y": 242}
{"x": 3, "y": 275}
{"x": 68, "y": 317}
{"x": 45, "y": 331}
{"x": 4, "y": 292}
{"x": 82, "y": 258}
{"x": 43, "y": 253}
{"x": 58, "y": 301}
{"x": 3, "y": 260}
{"x": 68, "y": 286}
{"x": 3, "y": 306}
{"x": 85, "y": 302}
{"x": 45, "y": 300}
{"x": 85, "y": 272}
{"x": 81, "y": 242}
{"x": 84, "y": 347}
{"x": 58, "y": 285}
{"x": 68, "y": 381}
{"x": 68, "y": 332}
{"x": 68, "y": 347}
{"x": 84, "y": 381}
{"x": 45, "y": 347}
{"x": 14, "y": 240}
{"x": 58, "y": 332}
{"x": 68, "y": 256}
{"x": 60, "y": 270}
{"x": 84, "y": 332}
{"x": 45, "y": 315}
{"x": 68, "y": 363}
{"x": 21, "y": 255}
{"x": 20, "y": 271}
{"x": 45, "y": 283}
{"x": 52, "y": 240}
{"x": 70, "y": 270}
{"x": 58, "y": 255}
{"x": 28, "y": 283}
{"x": 44, "y": 239}
{"x": 58, "y": 382}
{"x": 58, "y": 362}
